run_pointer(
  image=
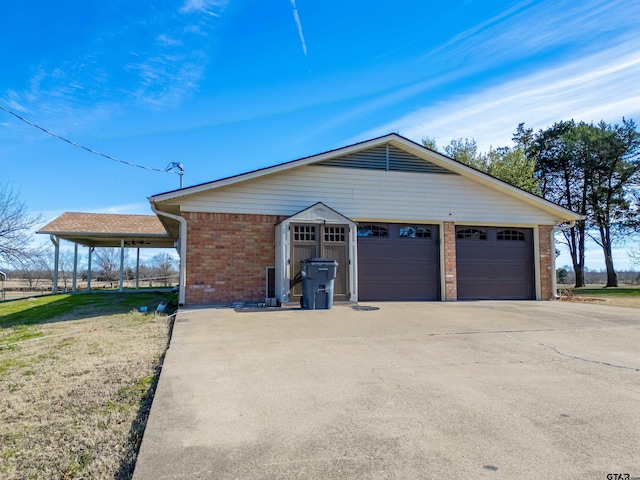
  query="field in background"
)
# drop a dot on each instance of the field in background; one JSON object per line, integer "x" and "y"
{"x": 77, "y": 376}
{"x": 17, "y": 288}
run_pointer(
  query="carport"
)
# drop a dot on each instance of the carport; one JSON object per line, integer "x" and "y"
{"x": 106, "y": 230}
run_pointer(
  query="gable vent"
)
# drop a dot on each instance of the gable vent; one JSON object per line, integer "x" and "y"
{"x": 373, "y": 158}
{"x": 385, "y": 157}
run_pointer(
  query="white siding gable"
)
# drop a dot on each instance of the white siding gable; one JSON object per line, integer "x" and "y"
{"x": 372, "y": 195}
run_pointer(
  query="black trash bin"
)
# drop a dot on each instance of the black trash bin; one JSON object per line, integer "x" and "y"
{"x": 317, "y": 283}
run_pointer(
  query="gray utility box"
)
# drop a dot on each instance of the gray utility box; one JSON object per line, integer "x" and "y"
{"x": 317, "y": 283}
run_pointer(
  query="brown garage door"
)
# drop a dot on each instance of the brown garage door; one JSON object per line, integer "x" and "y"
{"x": 494, "y": 263}
{"x": 398, "y": 262}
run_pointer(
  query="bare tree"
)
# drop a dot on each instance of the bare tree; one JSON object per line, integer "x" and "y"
{"x": 65, "y": 266}
{"x": 108, "y": 262}
{"x": 162, "y": 264}
{"x": 32, "y": 266}
{"x": 16, "y": 226}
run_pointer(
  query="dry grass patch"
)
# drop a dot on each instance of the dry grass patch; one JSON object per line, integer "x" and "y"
{"x": 75, "y": 394}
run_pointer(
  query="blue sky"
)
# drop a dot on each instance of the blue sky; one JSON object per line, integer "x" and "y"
{"x": 227, "y": 86}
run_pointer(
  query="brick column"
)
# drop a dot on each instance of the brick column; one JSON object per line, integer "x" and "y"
{"x": 450, "y": 268}
{"x": 546, "y": 250}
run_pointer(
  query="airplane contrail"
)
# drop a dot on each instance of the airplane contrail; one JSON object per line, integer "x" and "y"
{"x": 296, "y": 17}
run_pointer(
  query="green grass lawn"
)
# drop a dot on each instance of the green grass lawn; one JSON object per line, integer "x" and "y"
{"x": 77, "y": 377}
{"x": 624, "y": 292}
{"x": 52, "y": 308}
{"x": 613, "y": 296}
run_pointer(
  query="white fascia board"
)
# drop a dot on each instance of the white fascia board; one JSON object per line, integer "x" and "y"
{"x": 103, "y": 234}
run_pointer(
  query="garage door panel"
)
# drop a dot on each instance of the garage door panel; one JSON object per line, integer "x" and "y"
{"x": 396, "y": 268}
{"x": 496, "y": 264}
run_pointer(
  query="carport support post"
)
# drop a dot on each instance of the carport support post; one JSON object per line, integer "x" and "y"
{"x": 56, "y": 260}
{"x": 75, "y": 267}
{"x": 121, "y": 264}
{"x": 89, "y": 269}
{"x": 138, "y": 268}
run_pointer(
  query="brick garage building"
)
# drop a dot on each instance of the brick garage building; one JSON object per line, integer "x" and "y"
{"x": 404, "y": 223}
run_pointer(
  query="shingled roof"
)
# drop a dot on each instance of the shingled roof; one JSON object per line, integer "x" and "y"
{"x": 106, "y": 229}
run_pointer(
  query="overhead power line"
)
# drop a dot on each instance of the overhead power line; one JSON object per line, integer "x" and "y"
{"x": 167, "y": 170}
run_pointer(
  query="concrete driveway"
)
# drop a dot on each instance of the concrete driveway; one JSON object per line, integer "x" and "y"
{"x": 515, "y": 390}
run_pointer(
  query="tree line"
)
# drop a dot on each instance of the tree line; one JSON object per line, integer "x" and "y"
{"x": 590, "y": 169}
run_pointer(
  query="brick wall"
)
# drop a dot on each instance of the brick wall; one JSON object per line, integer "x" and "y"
{"x": 227, "y": 255}
{"x": 450, "y": 268}
{"x": 546, "y": 250}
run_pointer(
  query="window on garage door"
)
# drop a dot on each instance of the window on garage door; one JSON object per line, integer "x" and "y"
{"x": 471, "y": 233}
{"x": 511, "y": 235}
{"x": 373, "y": 230}
{"x": 414, "y": 231}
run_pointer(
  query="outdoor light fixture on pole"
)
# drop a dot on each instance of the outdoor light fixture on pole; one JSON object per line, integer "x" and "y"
{"x": 180, "y": 168}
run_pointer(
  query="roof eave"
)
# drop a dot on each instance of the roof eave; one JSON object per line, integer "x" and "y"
{"x": 103, "y": 234}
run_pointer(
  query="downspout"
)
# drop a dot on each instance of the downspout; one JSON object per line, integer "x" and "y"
{"x": 183, "y": 250}
{"x": 554, "y": 277}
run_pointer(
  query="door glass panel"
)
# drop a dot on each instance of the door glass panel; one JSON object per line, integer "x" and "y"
{"x": 414, "y": 231}
{"x": 510, "y": 234}
{"x": 334, "y": 234}
{"x": 373, "y": 230}
{"x": 471, "y": 234}
{"x": 304, "y": 233}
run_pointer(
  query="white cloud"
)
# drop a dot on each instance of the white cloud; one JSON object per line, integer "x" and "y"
{"x": 202, "y": 6}
{"x": 166, "y": 62}
{"x": 167, "y": 40}
{"x": 166, "y": 79}
{"x": 602, "y": 86}
{"x": 485, "y": 26}
{"x": 529, "y": 28}
{"x": 296, "y": 18}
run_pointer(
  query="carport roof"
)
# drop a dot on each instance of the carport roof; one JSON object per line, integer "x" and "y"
{"x": 109, "y": 230}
